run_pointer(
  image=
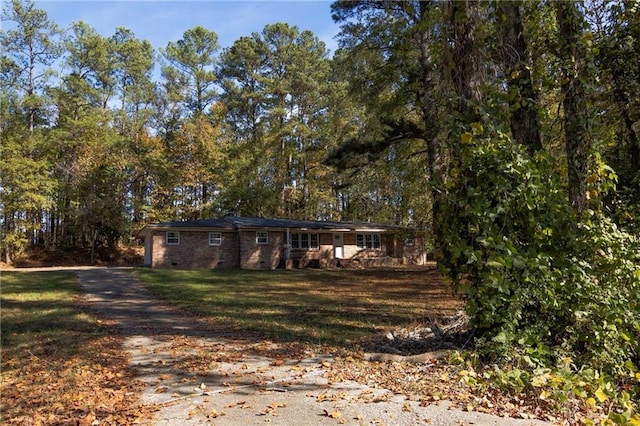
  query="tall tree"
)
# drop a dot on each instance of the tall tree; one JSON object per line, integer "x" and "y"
{"x": 190, "y": 69}
{"x": 28, "y": 51}
{"x": 465, "y": 67}
{"x": 573, "y": 54}
{"x": 86, "y": 147}
{"x": 617, "y": 44}
{"x": 395, "y": 48}
{"x": 134, "y": 61}
{"x": 31, "y": 47}
{"x": 90, "y": 59}
{"x": 275, "y": 93}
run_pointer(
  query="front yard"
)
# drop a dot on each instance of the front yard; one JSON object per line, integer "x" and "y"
{"x": 339, "y": 309}
{"x": 343, "y": 311}
{"x": 62, "y": 365}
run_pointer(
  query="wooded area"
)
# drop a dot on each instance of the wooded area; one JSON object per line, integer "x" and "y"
{"x": 95, "y": 146}
{"x": 507, "y": 129}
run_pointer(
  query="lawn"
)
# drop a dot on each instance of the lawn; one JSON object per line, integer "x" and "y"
{"x": 331, "y": 307}
{"x": 59, "y": 364}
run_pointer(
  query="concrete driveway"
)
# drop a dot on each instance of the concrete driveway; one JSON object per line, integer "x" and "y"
{"x": 199, "y": 374}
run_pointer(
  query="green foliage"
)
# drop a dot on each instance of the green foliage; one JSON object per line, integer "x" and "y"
{"x": 276, "y": 95}
{"x": 189, "y": 71}
{"x": 25, "y": 189}
{"x": 598, "y": 397}
{"x": 539, "y": 287}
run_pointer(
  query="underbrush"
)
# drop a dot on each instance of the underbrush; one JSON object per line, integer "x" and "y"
{"x": 568, "y": 393}
{"x": 40, "y": 257}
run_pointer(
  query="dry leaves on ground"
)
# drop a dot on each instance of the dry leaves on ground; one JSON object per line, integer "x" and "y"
{"x": 91, "y": 387}
{"x": 438, "y": 381}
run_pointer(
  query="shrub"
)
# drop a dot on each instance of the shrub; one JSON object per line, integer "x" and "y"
{"x": 541, "y": 286}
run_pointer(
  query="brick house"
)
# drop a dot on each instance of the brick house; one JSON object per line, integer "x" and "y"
{"x": 259, "y": 243}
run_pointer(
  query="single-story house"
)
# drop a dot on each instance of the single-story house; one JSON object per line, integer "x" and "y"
{"x": 260, "y": 243}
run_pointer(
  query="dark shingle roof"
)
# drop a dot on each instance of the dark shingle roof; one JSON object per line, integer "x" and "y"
{"x": 202, "y": 223}
{"x": 239, "y": 222}
{"x": 258, "y": 222}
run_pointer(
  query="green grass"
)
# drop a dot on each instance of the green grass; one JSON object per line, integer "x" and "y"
{"x": 39, "y": 311}
{"x": 338, "y": 308}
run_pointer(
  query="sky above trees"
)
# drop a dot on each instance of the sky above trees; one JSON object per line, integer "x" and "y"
{"x": 160, "y": 22}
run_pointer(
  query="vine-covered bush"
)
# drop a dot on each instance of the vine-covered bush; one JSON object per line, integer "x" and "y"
{"x": 541, "y": 287}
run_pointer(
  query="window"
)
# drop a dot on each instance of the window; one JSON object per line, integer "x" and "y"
{"x": 173, "y": 238}
{"x": 304, "y": 241}
{"x": 262, "y": 237}
{"x": 368, "y": 241}
{"x": 215, "y": 238}
{"x": 409, "y": 241}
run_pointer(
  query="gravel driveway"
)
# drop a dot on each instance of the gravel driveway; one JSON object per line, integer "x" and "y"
{"x": 198, "y": 374}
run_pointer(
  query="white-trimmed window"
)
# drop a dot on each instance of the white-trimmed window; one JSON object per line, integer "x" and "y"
{"x": 368, "y": 241}
{"x": 173, "y": 238}
{"x": 262, "y": 237}
{"x": 305, "y": 241}
{"x": 215, "y": 238}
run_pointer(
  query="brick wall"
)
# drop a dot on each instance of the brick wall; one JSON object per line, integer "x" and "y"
{"x": 194, "y": 251}
{"x": 411, "y": 254}
{"x": 261, "y": 256}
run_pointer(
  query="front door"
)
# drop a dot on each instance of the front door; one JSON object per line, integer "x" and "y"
{"x": 338, "y": 246}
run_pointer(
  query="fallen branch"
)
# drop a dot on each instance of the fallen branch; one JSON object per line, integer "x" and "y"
{"x": 412, "y": 359}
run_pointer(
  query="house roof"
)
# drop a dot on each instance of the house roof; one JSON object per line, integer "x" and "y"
{"x": 201, "y": 223}
{"x": 258, "y": 222}
{"x": 238, "y": 222}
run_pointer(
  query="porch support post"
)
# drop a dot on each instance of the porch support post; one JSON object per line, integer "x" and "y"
{"x": 287, "y": 247}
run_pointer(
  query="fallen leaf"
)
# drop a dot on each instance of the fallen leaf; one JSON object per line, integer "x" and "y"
{"x": 334, "y": 414}
{"x": 88, "y": 419}
{"x": 602, "y": 397}
{"x": 215, "y": 414}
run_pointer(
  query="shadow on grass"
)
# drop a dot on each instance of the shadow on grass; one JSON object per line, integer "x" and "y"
{"x": 333, "y": 307}
{"x": 40, "y": 304}
{"x": 59, "y": 365}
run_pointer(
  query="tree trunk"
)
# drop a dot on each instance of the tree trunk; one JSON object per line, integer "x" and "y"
{"x": 435, "y": 163}
{"x": 574, "y": 103}
{"x": 31, "y": 89}
{"x": 525, "y": 126}
{"x": 465, "y": 71}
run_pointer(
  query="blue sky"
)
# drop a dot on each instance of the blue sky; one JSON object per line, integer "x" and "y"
{"x": 163, "y": 21}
